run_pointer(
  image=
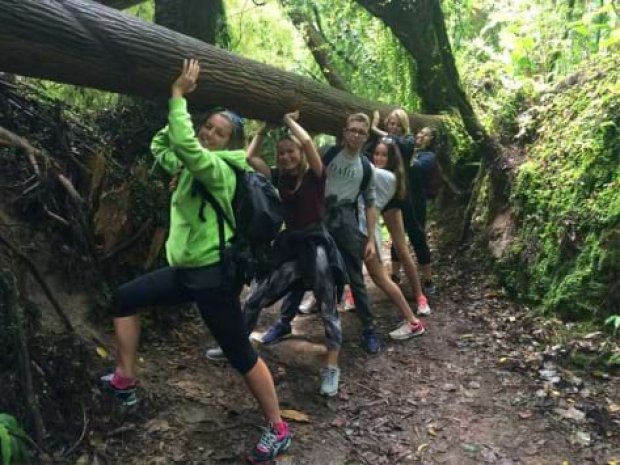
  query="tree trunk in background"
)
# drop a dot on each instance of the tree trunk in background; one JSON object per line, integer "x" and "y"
{"x": 488, "y": 146}
{"x": 420, "y": 27}
{"x": 413, "y": 25}
{"x": 451, "y": 75}
{"x": 87, "y": 44}
{"x": 203, "y": 20}
{"x": 316, "y": 43}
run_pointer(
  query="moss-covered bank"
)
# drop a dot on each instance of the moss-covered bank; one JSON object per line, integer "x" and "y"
{"x": 565, "y": 200}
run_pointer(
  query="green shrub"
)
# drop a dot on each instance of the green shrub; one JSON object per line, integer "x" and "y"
{"x": 12, "y": 446}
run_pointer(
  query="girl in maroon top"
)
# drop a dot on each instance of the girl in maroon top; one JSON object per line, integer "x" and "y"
{"x": 309, "y": 255}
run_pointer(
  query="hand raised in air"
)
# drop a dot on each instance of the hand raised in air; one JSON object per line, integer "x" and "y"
{"x": 186, "y": 82}
{"x": 294, "y": 115}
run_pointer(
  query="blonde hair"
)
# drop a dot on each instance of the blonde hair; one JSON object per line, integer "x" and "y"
{"x": 358, "y": 118}
{"x": 303, "y": 162}
{"x": 403, "y": 119}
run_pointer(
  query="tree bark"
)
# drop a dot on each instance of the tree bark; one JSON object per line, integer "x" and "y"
{"x": 316, "y": 43}
{"x": 203, "y": 20}
{"x": 470, "y": 120}
{"x": 120, "y": 4}
{"x": 87, "y": 44}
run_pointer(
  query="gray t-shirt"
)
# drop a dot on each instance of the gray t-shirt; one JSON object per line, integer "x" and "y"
{"x": 344, "y": 178}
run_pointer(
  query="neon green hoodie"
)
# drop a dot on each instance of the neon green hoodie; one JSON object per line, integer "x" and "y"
{"x": 193, "y": 242}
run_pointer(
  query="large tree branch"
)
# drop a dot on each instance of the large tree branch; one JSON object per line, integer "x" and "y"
{"x": 84, "y": 43}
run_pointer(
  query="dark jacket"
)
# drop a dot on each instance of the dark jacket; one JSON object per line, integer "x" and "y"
{"x": 300, "y": 246}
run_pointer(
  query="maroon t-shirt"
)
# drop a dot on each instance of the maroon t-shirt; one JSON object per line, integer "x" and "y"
{"x": 303, "y": 207}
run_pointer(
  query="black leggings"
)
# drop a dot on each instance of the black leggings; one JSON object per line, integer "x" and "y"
{"x": 414, "y": 217}
{"x": 219, "y": 307}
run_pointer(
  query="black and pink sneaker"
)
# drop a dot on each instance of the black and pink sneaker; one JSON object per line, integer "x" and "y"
{"x": 275, "y": 439}
{"x": 123, "y": 389}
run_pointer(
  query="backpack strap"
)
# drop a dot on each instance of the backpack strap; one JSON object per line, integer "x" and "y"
{"x": 367, "y": 173}
{"x": 334, "y": 150}
{"x": 330, "y": 154}
{"x": 207, "y": 196}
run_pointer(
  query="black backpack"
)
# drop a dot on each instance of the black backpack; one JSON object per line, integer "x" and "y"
{"x": 334, "y": 150}
{"x": 258, "y": 218}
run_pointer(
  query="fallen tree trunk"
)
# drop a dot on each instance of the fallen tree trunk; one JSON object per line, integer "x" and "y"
{"x": 120, "y": 4}
{"x": 88, "y": 44}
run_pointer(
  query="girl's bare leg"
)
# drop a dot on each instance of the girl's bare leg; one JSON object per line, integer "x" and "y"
{"x": 394, "y": 221}
{"x": 381, "y": 279}
{"x": 261, "y": 386}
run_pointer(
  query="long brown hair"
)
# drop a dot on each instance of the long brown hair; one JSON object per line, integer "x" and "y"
{"x": 395, "y": 165}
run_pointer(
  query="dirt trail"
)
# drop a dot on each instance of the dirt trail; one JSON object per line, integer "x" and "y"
{"x": 478, "y": 388}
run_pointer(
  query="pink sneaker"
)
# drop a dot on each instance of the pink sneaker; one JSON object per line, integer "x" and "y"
{"x": 423, "y": 308}
{"x": 276, "y": 439}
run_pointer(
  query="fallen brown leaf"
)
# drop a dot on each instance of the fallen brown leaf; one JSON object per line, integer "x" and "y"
{"x": 295, "y": 415}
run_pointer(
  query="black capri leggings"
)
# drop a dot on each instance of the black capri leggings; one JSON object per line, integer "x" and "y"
{"x": 219, "y": 307}
{"x": 414, "y": 217}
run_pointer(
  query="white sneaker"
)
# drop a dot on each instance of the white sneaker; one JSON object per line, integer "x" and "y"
{"x": 308, "y": 305}
{"x": 423, "y": 308}
{"x": 330, "y": 377}
{"x": 216, "y": 354}
{"x": 408, "y": 330}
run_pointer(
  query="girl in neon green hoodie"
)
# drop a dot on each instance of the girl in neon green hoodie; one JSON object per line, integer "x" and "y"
{"x": 193, "y": 252}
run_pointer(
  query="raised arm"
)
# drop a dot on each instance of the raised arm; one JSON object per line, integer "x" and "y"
{"x": 253, "y": 154}
{"x": 374, "y": 128}
{"x": 205, "y": 165}
{"x": 312, "y": 154}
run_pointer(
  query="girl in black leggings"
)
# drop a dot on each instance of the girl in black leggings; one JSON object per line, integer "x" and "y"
{"x": 197, "y": 272}
{"x": 414, "y": 208}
